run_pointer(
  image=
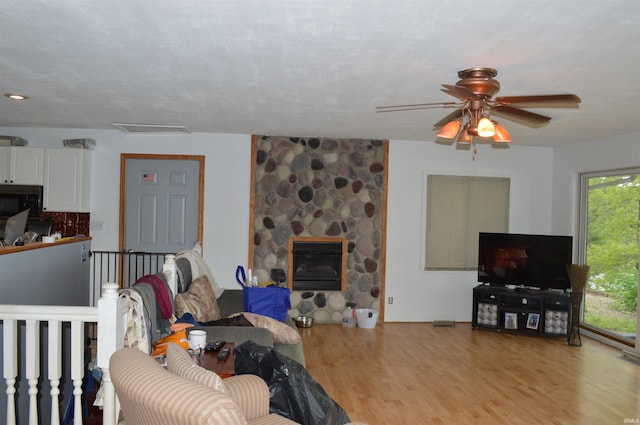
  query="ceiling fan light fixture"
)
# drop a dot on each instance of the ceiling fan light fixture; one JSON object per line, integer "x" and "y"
{"x": 450, "y": 130}
{"x": 475, "y": 102}
{"x": 502, "y": 135}
{"x": 464, "y": 138}
{"x": 486, "y": 128}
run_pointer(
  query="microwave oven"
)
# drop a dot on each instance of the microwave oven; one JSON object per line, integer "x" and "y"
{"x": 16, "y": 198}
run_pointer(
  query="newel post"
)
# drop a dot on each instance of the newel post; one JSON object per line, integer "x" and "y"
{"x": 110, "y": 339}
{"x": 169, "y": 270}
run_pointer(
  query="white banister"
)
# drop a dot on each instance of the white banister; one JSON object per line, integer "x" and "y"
{"x": 169, "y": 270}
{"x": 33, "y": 316}
{"x": 77, "y": 368}
{"x": 55, "y": 367}
{"x": 32, "y": 366}
{"x": 10, "y": 364}
{"x": 111, "y": 318}
{"x": 111, "y": 327}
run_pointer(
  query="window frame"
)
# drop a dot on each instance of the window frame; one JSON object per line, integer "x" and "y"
{"x": 603, "y": 335}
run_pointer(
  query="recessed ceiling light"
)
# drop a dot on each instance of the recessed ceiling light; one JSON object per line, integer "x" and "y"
{"x": 16, "y": 96}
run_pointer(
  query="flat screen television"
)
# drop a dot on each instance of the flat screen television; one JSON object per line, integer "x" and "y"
{"x": 538, "y": 261}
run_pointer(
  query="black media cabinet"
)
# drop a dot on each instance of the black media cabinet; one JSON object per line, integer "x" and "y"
{"x": 527, "y": 311}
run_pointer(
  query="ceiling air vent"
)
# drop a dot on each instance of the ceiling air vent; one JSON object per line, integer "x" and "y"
{"x": 151, "y": 128}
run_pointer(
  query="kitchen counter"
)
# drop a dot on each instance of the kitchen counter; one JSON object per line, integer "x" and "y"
{"x": 39, "y": 245}
{"x": 41, "y": 273}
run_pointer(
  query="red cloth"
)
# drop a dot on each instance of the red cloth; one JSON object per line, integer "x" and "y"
{"x": 163, "y": 298}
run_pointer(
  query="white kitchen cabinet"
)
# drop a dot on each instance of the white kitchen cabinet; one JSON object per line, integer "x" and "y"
{"x": 21, "y": 165}
{"x": 67, "y": 180}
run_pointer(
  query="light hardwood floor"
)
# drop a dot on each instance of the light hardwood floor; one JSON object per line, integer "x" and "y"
{"x": 415, "y": 373}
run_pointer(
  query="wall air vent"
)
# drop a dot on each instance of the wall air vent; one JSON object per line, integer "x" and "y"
{"x": 151, "y": 128}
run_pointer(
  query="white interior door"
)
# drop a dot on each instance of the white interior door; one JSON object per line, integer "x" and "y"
{"x": 162, "y": 211}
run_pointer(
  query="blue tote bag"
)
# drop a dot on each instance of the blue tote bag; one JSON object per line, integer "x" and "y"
{"x": 272, "y": 301}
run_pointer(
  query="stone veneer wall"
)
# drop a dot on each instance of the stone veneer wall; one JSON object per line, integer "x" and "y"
{"x": 325, "y": 188}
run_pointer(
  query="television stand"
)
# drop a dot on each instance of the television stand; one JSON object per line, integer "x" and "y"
{"x": 521, "y": 310}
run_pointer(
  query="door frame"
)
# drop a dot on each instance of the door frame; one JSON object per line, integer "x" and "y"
{"x": 123, "y": 173}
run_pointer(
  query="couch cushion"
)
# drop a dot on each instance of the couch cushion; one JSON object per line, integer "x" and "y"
{"x": 281, "y": 332}
{"x": 293, "y": 351}
{"x": 235, "y": 320}
{"x": 199, "y": 300}
{"x": 238, "y": 334}
{"x": 231, "y": 301}
{"x": 181, "y": 363}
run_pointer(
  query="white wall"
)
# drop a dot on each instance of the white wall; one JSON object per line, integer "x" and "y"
{"x": 227, "y": 175}
{"x": 420, "y": 295}
{"x": 542, "y": 201}
{"x": 613, "y": 153}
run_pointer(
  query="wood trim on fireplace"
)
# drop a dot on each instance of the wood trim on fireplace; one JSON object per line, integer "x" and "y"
{"x": 343, "y": 273}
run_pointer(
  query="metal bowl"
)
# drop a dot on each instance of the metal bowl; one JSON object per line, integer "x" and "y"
{"x": 304, "y": 321}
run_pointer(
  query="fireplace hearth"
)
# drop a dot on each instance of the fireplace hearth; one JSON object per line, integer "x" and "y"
{"x": 317, "y": 264}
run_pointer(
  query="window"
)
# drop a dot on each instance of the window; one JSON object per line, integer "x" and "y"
{"x": 458, "y": 208}
{"x": 609, "y": 242}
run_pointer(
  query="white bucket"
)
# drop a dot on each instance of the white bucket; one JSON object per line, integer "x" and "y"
{"x": 367, "y": 318}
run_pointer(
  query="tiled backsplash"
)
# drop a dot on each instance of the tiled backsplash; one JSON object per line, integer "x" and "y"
{"x": 68, "y": 224}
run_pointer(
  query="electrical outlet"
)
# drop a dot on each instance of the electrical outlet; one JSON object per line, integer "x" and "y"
{"x": 96, "y": 226}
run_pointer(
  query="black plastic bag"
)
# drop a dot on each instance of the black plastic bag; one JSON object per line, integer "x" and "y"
{"x": 293, "y": 393}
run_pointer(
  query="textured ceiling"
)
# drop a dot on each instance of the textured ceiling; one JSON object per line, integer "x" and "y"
{"x": 314, "y": 67}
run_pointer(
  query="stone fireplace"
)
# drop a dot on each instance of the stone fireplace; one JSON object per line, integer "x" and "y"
{"x": 328, "y": 189}
{"x": 317, "y": 264}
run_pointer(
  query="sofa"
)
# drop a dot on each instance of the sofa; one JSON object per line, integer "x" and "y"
{"x": 183, "y": 393}
{"x": 197, "y": 292}
{"x": 150, "y": 394}
{"x": 230, "y": 302}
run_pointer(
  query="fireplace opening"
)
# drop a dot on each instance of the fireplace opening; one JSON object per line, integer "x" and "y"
{"x": 317, "y": 264}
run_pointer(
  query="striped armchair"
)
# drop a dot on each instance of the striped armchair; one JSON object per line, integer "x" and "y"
{"x": 149, "y": 394}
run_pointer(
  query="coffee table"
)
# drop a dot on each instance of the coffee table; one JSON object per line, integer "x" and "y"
{"x": 224, "y": 368}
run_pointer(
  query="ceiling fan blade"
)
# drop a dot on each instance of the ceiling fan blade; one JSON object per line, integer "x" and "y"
{"x": 541, "y": 101}
{"x": 411, "y": 107}
{"x": 452, "y": 116}
{"x": 520, "y": 116}
{"x": 460, "y": 92}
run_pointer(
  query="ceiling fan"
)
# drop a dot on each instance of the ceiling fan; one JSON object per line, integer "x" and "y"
{"x": 472, "y": 117}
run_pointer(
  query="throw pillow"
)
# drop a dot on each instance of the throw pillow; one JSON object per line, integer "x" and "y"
{"x": 199, "y": 300}
{"x": 181, "y": 363}
{"x": 282, "y": 333}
